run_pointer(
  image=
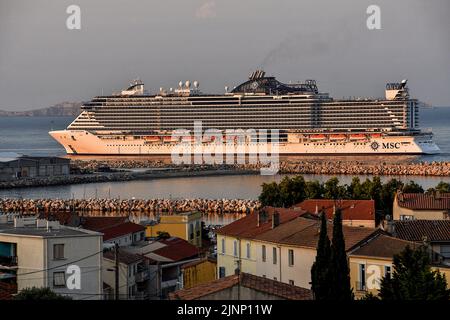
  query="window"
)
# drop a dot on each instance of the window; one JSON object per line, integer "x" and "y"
{"x": 291, "y": 257}
{"x": 58, "y": 251}
{"x": 235, "y": 248}
{"x": 248, "y": 250}
{"x": 387, "y": 271}
{"x": 362, "y": 278}
{"x": 221, "y": 272}
{"x": 191, "y": 231}
{"x": 223, "y": 246}
{"x": 274, "y": 253}
{"x": 59, "y": 279}
{"x": 445, "y": 251}
{"x": 291, "y": 282}
{"x": 263, "y": 253}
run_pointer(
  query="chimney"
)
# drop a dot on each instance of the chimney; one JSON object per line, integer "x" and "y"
{"x": 334, "y": 209}
{"x": 258, "y": 218}
{"x": 317, "y": 208}
{"x": 390, "y": 227}
{"x": 275, "y": 219}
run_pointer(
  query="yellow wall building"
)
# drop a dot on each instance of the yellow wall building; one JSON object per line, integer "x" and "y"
{"x": 418, "y": 206}
{"x": 199, "y": 272}
{"x": 186, "y": 225}
{"x": 373, "y": 261}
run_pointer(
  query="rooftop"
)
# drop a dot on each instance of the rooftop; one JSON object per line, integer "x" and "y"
{"x": 382, "y": 246}
{"x": 422, "y": 201}
{"x": 248, "y": 227}
{"x": 31, "y": 228}
{"x": 351, "y": 209}
{"x": 124, "y": 257}
{"x": 418, "y": 230}
{"x": 272, "y": 287}
{"x": 305, "y": 232}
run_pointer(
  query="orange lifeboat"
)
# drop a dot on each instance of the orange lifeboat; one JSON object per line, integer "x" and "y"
{"x": 188, "y": 139}
{"x": 151, "y": 139}
{"x": 316, "y": 137}
{"x": 375, "y": 135}
{"x": 169, "y": 139}
{"x": 337, "y": 136}
{"x": 357, "y": 136}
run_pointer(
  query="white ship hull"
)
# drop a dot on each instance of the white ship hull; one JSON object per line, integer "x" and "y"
{"x": 83, "y": 142}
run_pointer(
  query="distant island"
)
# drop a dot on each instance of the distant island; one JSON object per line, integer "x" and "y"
{"x": 58, "y": 110}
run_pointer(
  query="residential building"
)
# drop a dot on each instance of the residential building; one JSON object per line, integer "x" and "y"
{"x": 134, "y": 275}
{"x": 421, "y": 206}
{"x": 165, "y": 258}
{"x": 243, "y": 287}
{"x": 358, "y": 213}
{"x": 235, "y": 241}
{"x": 287, "y": 252}
{"x": 435, "y": 233}
{"x": 41, "y": 253}
{"x": 115, "y": 229}
{"x": 185, "y": 225}
{"x": 14, "y": 166}
{"x": 372, "y": 261}
{"x": 198, "y": 272}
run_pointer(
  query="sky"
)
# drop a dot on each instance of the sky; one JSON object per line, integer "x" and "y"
{"x": 219, "y": 43}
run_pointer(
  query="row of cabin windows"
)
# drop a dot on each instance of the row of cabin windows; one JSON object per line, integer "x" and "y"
{"x": 263, "y": 252}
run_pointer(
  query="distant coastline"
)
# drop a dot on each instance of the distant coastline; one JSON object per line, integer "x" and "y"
{"x": 63, "y": 109}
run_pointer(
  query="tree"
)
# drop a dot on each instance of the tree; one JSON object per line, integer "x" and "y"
{"x": 442, "y": 187}
{"x": 332, "y": 189}
{"x": 412, "y": 187}
{"x": 340, "y": 285}
{"x": 39, "y": 294}
{"x": 270, "y": 195}
{"x": 413, "y": 279}
{"x": 313, "y": 190}
{"x": 320, "y": 271}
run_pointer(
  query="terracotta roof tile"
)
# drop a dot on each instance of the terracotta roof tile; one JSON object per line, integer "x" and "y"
{"x": 101, "y": 223}
{"x": 121, "y": 230}
{"x": 351, "y": 209}
{"x": 416, "y": 230}
{"x": 422, "y": 201}
{"x": 176, "y": 249}
{"x": 305, "y": 233}
{"x": 382, "y": 246}
{"x": 272, "y": 287}
{"x": 248, "y": 228}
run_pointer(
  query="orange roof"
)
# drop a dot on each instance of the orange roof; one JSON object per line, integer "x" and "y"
{"x": 422, "y": 201}
{"x": 304, "y": 232}
{"x": 247, "y": 227}
{"x": 351, "y": 209}
{"x": 121, "y": 230}
{"x": 176, "y": 249}
{"x": 272, "y": 287}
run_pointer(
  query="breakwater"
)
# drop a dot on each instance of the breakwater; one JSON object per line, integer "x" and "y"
{"x": 119, "y": 207}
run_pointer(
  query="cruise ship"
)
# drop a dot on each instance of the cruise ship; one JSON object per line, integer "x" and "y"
{"x": 134, "y": 122}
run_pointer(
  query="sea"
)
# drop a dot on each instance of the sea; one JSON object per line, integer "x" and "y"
{"x": 29, "y": 136}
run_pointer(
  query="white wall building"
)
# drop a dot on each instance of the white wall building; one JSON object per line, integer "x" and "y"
{"x": 40, "y": 253}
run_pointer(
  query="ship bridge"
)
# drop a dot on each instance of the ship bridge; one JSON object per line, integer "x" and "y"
{"x": 258, "y": 83}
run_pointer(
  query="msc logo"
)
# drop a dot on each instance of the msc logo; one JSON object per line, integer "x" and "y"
{"x": 391, "y": 145}
{"x": 374, "y": 145}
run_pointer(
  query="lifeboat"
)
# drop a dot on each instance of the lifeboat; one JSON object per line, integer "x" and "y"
{"x": 170, "y": 139}
{"x": 209, "y": 139}
{"x": 337, "y": 137}
{"x": 357, "y": 136}
{"x": 152, "y": 139}
{"x": 316, "y": 137}
{"x": 375, "y": 135}
{"x": 188, "y": 139}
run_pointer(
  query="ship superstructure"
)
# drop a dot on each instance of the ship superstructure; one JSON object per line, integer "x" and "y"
{"x": 134, "y": 122}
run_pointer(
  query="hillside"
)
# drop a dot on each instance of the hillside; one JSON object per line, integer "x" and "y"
{"x": 58, "y": 110}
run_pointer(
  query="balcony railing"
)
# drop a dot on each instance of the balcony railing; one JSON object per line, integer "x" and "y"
{"x": 8, "y": 261}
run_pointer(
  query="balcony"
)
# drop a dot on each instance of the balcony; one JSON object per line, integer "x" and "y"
{"x": 8, "y": 262}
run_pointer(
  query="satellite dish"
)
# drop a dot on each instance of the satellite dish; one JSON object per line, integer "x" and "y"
{"x": 226, "y": 88}
{"x": 196, "y": 84}
{"x": 187, "y": 83}
{"x": 180, "y": 84}
{"x": 160, "y": 88}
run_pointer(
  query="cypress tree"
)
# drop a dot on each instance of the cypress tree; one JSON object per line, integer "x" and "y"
{"x": 320, "y": 271}
{"x": 340, "y": 284}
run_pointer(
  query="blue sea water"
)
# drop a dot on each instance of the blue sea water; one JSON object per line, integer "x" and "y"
{"x": 29, "y": 135}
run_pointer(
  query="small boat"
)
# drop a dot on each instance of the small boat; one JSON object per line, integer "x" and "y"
{"x": 357, "y": 136}
{"x": 170, "y": 139}
{"x": 375, "y": 135}
{"x": 337, "y": 137}
{"x": 152, "y": 139}
{"x": 317, "y": 137}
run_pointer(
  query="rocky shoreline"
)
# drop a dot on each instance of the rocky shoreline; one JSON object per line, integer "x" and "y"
{"x": 123, "y": 207}
{"x": 91, "y": 171}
